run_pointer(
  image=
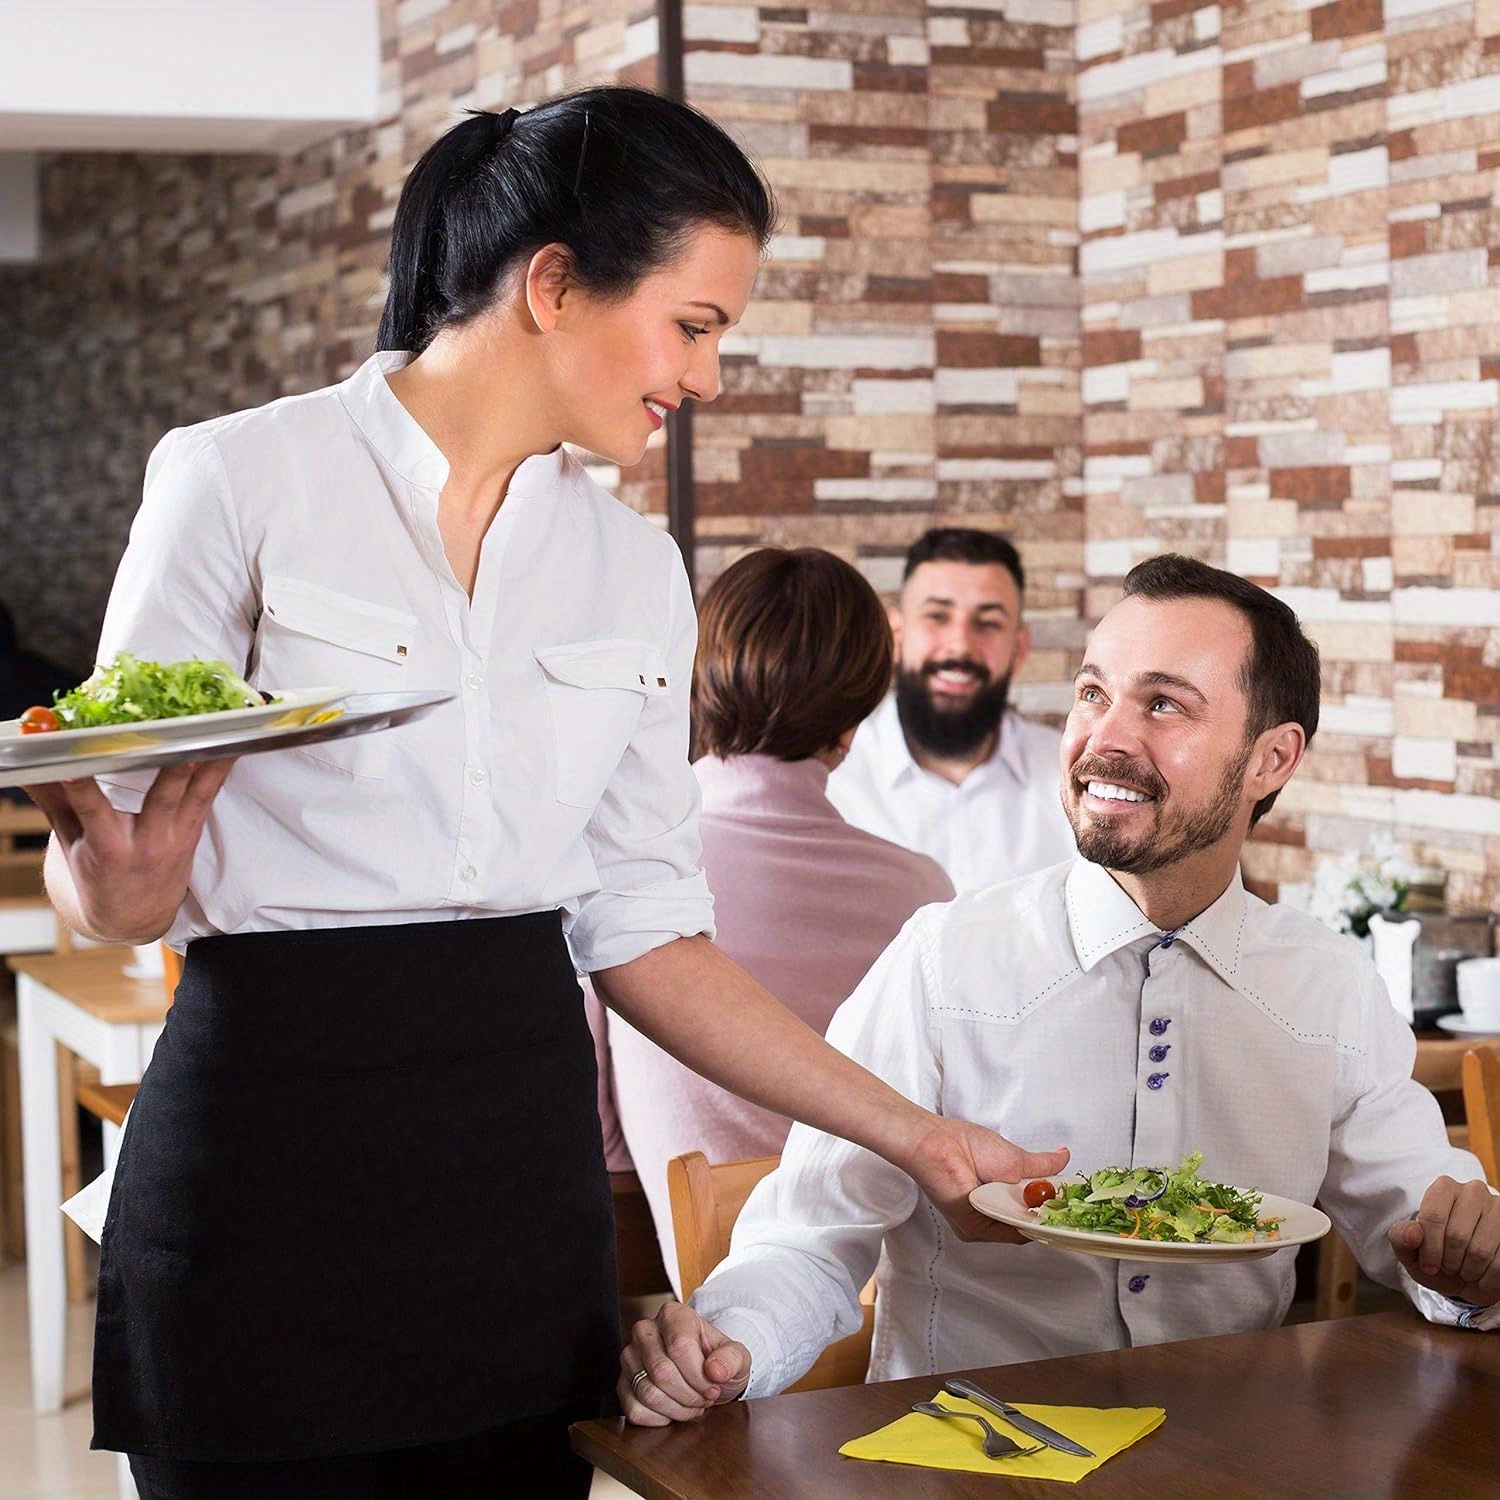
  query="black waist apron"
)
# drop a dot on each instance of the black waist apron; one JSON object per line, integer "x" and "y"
{"x": 361, "y": 1201}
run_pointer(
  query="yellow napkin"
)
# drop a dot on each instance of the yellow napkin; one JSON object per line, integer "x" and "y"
{"x": 936, "y": 1444}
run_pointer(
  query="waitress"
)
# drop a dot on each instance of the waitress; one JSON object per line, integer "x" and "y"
{"x": 360, "y": 1235}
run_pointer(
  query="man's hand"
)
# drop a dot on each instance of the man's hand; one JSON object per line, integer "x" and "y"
{"x": 676, "y": 1366}
{"x": 1453, "y": 1244}
{"x": 955, "y": 1157}
{"x": 121, "y": 876}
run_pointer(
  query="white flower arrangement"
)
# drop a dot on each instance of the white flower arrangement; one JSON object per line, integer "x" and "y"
{"x": 1348, "y": 890}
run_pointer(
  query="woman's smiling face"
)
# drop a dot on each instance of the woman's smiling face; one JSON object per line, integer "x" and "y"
{"x": 617, "y": 367}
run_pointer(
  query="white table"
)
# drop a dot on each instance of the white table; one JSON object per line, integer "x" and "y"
{"x": 27, "y": 922}
{"x": 84, "y": 1002}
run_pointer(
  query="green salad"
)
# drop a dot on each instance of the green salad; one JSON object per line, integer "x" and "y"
{"x": 1150, "y": 1203}
{"x": 130, "y": 691}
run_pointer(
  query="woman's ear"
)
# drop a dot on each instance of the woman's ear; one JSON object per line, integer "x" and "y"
{"x": 549, "y": 278}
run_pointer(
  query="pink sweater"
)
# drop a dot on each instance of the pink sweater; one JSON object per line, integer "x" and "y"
{"x": 805, "y": 903}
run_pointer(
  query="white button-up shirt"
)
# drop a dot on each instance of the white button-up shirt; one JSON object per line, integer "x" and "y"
{"x": 299, "y": 542}
{"x": 1003, "y": 820}
{"x": 1051, "y": 1010}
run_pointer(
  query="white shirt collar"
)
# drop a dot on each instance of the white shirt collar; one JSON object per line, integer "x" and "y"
{"x": 403, "y": 442}
{"x": 1103, "y": 919}
{"x": 894, "y": 757}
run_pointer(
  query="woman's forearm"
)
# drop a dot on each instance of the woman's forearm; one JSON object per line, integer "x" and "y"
{"x": 747, "y": 1041}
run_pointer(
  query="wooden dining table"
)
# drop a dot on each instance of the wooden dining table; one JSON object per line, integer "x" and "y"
{"x": 1379, "y": 1407}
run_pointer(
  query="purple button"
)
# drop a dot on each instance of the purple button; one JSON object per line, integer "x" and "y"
{"x": 1156, "y": 1080}
{"x": 1159, "y": 1052}
{"x": 1159, "y": 1025}
{"x": 1138, "y": 1283}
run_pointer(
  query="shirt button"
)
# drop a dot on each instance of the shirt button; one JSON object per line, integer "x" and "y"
{"x": 478, "y": 775}
{"x": 1159, "y": 1025}
{"x": 474, "y": 680}
{"x": 1156, "y": 1080}
{"x": 468, "y": 874}
{"x": 1159, "y": 1052}
{"x": 1138, "y": 1283}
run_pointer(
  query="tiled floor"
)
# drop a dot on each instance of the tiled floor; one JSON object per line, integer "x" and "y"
{"x": 48, "y": 1457}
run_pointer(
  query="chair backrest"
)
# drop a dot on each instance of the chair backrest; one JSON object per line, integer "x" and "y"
{"x": 706, "y": 1199}
{"x": 1482, "y": 1106}
{"x": 171, "y": 970}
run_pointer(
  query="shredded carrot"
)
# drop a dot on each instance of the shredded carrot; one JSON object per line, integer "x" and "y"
{"x": 1136, "y": 1215}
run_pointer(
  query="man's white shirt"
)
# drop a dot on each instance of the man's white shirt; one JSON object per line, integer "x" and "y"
{"x": 1051, "y": 1010}
{"x": 1003, "y": 820}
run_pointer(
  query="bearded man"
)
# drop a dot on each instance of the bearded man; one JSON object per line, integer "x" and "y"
{"x": 945, "y": 765}
{"x": 1137, "y": 1003}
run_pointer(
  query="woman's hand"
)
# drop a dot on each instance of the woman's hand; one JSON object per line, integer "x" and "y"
{"x": 676, "y": 1366}
{"x": 955, "y": 1157}
{"x": 118, "y": 876}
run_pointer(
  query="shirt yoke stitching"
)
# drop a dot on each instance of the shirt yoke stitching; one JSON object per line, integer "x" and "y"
{"x": 1302, "y": 1034}
{"x": 936, "y": 1223}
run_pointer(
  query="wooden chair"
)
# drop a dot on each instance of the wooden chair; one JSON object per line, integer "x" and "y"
{"x": 1482, "y": 1106}
{"x": 706, "y": 1199}
{"x": 1338, "y": 1279}
{"x": 637, "y": 1249}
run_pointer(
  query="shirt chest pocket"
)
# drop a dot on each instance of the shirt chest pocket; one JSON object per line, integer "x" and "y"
{"x": 595, "y": 693}
{"x": 311, "y": 636}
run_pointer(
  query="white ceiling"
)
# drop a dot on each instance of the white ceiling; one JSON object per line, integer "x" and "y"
{"x": 216, "y": 76}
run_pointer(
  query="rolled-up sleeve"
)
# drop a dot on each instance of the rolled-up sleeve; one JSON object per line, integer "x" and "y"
{"x": 644, "y": 836}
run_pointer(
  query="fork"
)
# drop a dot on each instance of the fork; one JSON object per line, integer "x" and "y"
{"x": 996, "y": 1444}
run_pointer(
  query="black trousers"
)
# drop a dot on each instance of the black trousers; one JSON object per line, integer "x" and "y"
{"x": 521, "y": 1459}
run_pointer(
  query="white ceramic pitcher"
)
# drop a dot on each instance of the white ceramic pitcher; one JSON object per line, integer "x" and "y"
{"x": 1392, "y": 940}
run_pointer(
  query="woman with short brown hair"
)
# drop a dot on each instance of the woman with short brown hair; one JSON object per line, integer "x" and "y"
{"x": 794, "y": 651}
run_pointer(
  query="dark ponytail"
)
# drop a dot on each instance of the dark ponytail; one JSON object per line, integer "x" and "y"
{"x": 620, "y": 175}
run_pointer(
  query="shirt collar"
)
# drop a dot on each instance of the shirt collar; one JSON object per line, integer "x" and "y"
{"x": 403, "y": 443}
{"x": 1103, "y": 919}
{"x": 391, "y": 430}
{"x": 893, "y": 757}
{"x": 761, "y": 784}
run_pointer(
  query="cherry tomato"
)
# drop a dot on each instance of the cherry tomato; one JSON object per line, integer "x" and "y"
{"x": 1034, "y": 1194}
{"x": 39, "y": 721}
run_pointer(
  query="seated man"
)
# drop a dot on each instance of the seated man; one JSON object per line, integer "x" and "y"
{"x": 1137, "y": 1001}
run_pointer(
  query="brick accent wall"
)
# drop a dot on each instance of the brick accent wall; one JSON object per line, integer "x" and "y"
{"x": 1291, "y": 311}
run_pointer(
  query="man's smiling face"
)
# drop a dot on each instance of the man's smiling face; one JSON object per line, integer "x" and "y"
{"x": 1155, "y": 749}
{"x": 959, "y": 638}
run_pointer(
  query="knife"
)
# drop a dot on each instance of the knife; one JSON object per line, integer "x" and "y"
{"x": 1029, "y": 1425}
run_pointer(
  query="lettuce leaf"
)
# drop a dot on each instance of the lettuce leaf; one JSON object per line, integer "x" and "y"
{"x": 129, "y": 690}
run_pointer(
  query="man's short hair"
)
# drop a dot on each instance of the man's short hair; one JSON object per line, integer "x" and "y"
{"x": 794, "y": 650}
{"x": 965, "y": 544}
{"x": 1280, "y": 677}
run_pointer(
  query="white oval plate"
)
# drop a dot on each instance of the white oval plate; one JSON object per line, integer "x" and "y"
{"x": 1459, "y": 1024}
{"x": 293, "y": 706}
{"x": 1002, "y": 1200}
{"x": 305, "y": 724}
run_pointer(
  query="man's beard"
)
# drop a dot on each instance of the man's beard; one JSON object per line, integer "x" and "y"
{"x": 949, "y": 732}
{"x": 1172, "y": 837}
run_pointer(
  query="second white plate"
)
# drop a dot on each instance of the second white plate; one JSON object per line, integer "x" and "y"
{"x": 1459, "y": 1024}
{"x": 1300, "y": 1222}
